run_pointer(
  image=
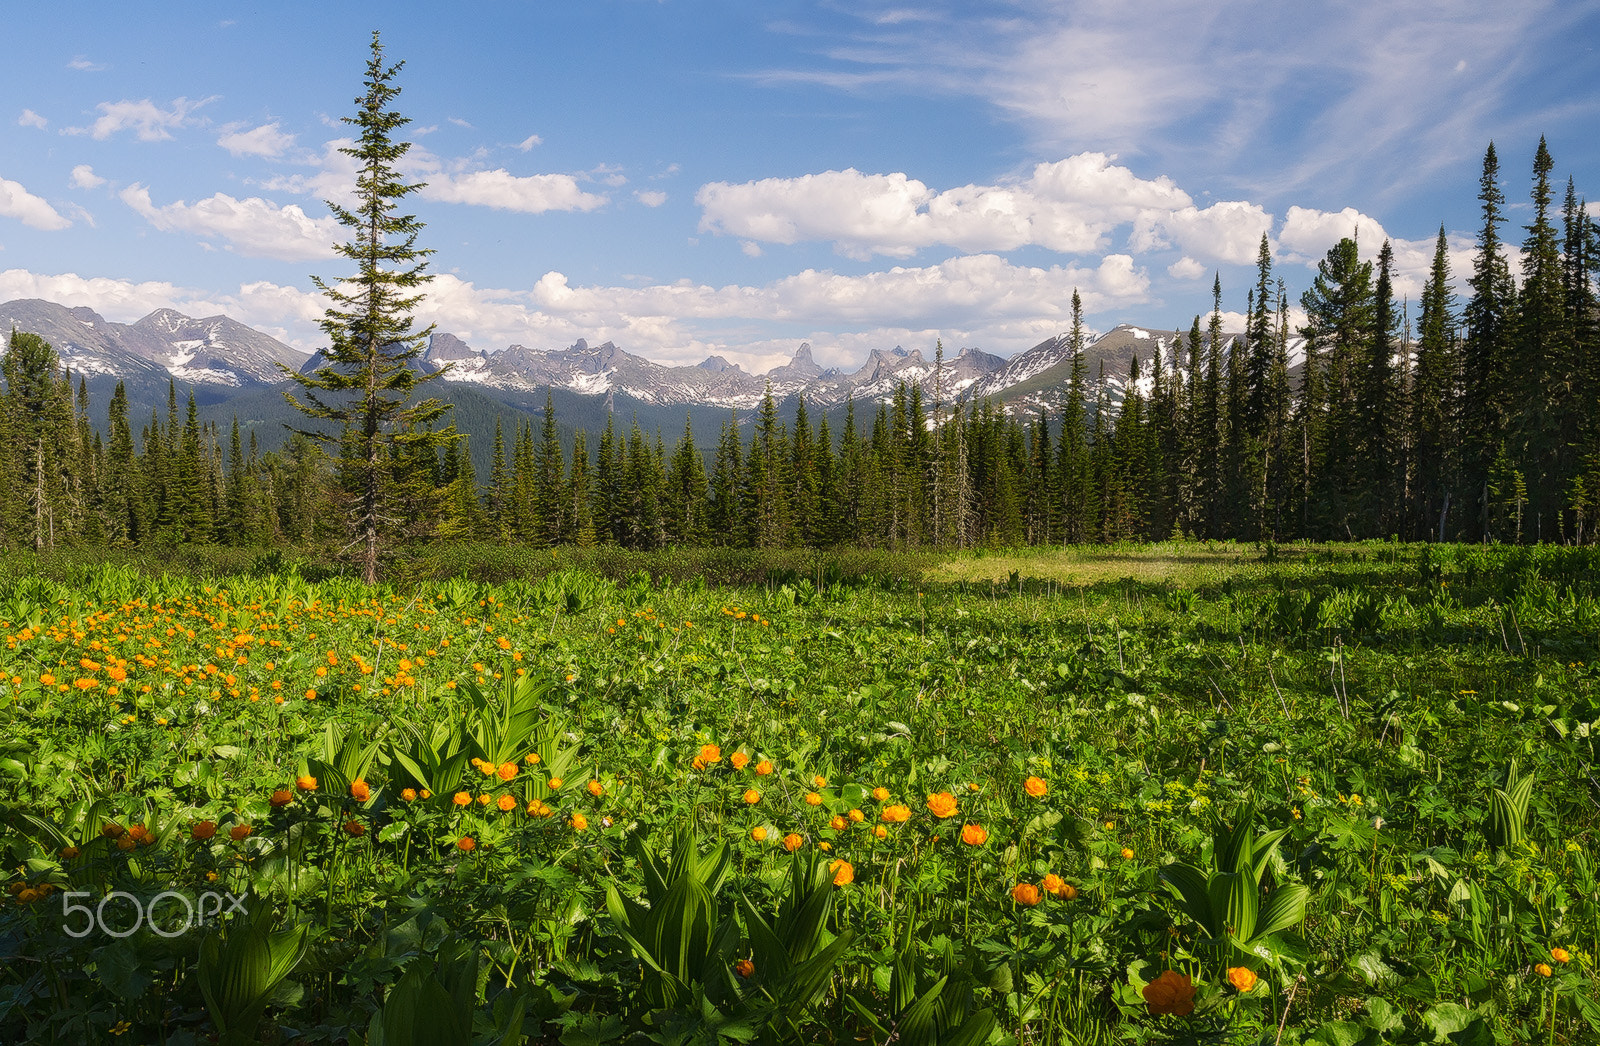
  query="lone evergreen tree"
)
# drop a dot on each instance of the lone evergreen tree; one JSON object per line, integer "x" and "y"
{"x": 367, "y": 378}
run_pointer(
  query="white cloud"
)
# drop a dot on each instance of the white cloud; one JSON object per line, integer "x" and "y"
{"x": 148, "y": 121}
{"x": 268, "y": 140}
{"x": 529, "y": 142}
{"x": 83, "y": 177}
{"x": 500, "y": 189}
{"x": 459, "y": 122}
{"x": 253, "y": 226}
{"x": 1070, "y": 206}
{"x": 29, "y": 118}
{"x": 1308, "y": 234}
{"x": 1186, "y": 269}
{"x": 650, "y": 197}
{"x": 1229, "y": 231}
{"x": 84, "y": 65}
{"x": 17, "y": 202}
{"x": 751, "y": 248}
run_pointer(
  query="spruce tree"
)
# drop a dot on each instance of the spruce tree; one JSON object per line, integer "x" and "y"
{"x": 369, "y": 376}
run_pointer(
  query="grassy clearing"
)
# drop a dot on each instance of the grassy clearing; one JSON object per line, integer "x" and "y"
{"x": 1352, "y": 792}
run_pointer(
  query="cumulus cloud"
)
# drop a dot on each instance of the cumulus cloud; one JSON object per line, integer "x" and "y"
{"x": 1308, "y": 234}
{"x": 1186, "y": 269}
{"x": 1071, "y": 206}
{"x": 17, "y": 202}
{"x": 650, "y": 197}
{"x": 253, "y": 226}
{"x": 83, "y": 177}
{"x": 502, "y": 190}
{"x": 268, "y": 140}
{"x": 29, "y": 118}
{"x": 148, "y": 121}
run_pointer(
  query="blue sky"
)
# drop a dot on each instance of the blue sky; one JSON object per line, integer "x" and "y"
{"x": 738, "y": 177}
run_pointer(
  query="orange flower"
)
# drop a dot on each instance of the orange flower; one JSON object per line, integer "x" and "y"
{"x": 126, "y": 842}
{"x": 792, "y": 842}
{"x": 739, "y": 760}
{"x": 1243, "y": 978}
{"x": 1172, "y": 993}
{"x": 880, "y": 793}
{"x": 538, "y": 809}
{"x": 579, "y": 822}
{"x": 896, "y": 814}
{"x": 1127, "y": 854}
{"x": 759, "y": 834}
{"x": 880, "y": 832}
{"x": 555, "y": 782}
{"x": 1052, "y": 883}
{"x": 466, "y": 844}
{"x": 506, "y": 803}
{"x": 977, "y": 835}
{"x": 744, "y": 967}
{"x": 1035, "y": 787}
{"x": 281, "y": 797}
{"x": 1067, "y": 892}
{"x": 710, "y": 754}
{"x": 354, "y": 828}
{"x": 595, "y": 788}
{"x": 507, "y": 771}
{"x": 306, "y": 783}
{"x": 1025, "y": 893}
{"x": 764, "y": 768}
{"x": 112, "y": 831}
{"x": 239, "y": 832}
{"x": 461, "y": 799}
{"x": 408, "y": 794}
{"x": 203, "y": 830}
{"x": 838, "y": 823}
{"x": 1560, "y": 955}
{"x": 843, "y": 872}
{"x": 1543, "y": 969}
{"x": 857, "y": 816}
{"x": 818, "y": 781}
{"x": 359, "y": 791}
{"x": 751, "y": 796}
{"x": 942, "y": 804}
{"x": 813, "y": 799}
{"x": 484, "y": 800}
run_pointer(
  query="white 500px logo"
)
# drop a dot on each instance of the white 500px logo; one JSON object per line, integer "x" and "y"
{"x": 172, "y": 903}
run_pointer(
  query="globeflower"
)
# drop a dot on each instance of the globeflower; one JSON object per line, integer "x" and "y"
{"x": 896, "y": 814}
{"x": 843, "y": 872}
{"x": 764, "y": 768}
{"x": 506, "y": 803}
{"x": 461, "y": 799}
{"x": 739, "y": 760}
{"x": 1172, "y": 993}
{"x": 751, "y": 796}
{"x": 408, "y": 794}
{"x": 942, "y": 804}
{"x": 1243, "y": 978}
{"x": 578, "y": 822}
{"x": 466, "y": 844}
{"x": 359, "y": 791}
{"x": 710, "y": 754}
{"x": 792, "y": 842}
{"x": 203, "y": 830}
{"x": 977, "y": 835}
{"x": 880, "y": 793}
{"x": 507, "y": 771}
{"x": 838, "y": 823}
{"x": 1560, "y": 955}
{"x": 239, "y": 832}
{"x": 595, "y": 788}
{"x": 1035, "y": 787}
{"x": 306, "y": 783}
{"x": 744, "y": 967}
{"x": 1025, "y": 894}
{"x": 759, "y": 834}
{"x": 281, "y": 797}
{"x": 1543, "y": 969}
{"x": 813, "y": 799}
{"x": 354, "y": 828}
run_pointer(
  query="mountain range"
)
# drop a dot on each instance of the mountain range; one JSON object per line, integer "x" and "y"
{"x": 234, "y": 371}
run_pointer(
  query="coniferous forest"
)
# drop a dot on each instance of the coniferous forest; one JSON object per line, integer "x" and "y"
{"x": 1470, "y": 415}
